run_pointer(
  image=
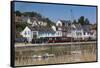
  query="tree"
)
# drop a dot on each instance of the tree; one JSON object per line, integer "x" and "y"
{"x": 49, "y": 22}
{"x": 18, "y": 13}
{"x": 87, "y": 21}
{"x": 21, "y": 26}
{"x": 94, "y": 26}
{"x": 81, "y": 20}
{"x": 74, "y": 21}
{"x": 32, "y": 14}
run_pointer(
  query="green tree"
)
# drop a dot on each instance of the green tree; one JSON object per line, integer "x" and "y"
{"x": 81, "y": 20}
{"x": 20, "y": 26}
{"x": 32, "y": 14}
{"x": 49, "y": 22}
{"x": 18, "y": 13}
{"x": 87, "y": 21}
{"x": 75, "y": 21}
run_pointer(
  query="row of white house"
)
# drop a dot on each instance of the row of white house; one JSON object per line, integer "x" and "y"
{"x": 38, "y": 29}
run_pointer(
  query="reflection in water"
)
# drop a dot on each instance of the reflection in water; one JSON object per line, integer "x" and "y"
{"x": 55, "y": 54}
{"x": 44, "y": 57}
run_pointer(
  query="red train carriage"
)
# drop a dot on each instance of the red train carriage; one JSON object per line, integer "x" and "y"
{"x": 59, "y": 39}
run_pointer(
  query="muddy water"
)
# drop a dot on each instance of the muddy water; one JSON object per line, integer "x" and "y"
{"x": 55, "y": 54}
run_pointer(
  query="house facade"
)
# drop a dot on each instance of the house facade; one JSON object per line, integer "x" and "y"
{"x": 35, "y": 22}
{"x": 27, "y": 33}
{"x": 39, "y": 32}
{"x": 75, "y": 31}
{"x": 62, "y": 29}
{"x": 69, "y": 30}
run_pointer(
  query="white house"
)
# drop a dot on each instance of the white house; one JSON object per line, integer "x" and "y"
{"x": 62, "y": 29}
{"x": 93, "y": 34}
{"x": 69, "y": 30}
{"x": 62, "y": 23}
{"x": 76, "y": 31}
{"x": 37, "y": 32}
{"x": 27, "y": 33}
{"x": 35, "y": 22}
{"x": 59, "y": 23}
{"x": 86, "y": 31}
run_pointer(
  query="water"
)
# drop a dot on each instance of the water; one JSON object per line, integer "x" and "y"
{"x": 38, "y": 55}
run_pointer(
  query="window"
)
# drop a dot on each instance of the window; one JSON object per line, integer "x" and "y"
{"x": 25, "y": 33}
{"x": 84, "y": 33}
{"x": 63, "y": 24}
{"x": 50, "y": 38}
{"x": 58, "y": 33}
{"x": 59, "y": 24}
{"x": 28, "y": 32}
{"x": 78, "y": 33}
{"x": 34, "y": 33}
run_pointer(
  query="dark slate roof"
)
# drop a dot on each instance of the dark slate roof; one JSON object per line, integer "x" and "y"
{"x": 32, "y": 19}
{"x": 41, "y": 29}
{"x": 24, "y": 18}
{"x": 86, "y": 28}
{"x": 64, "y": 22}
{"x": 64, "y": 28}
{"x": 68, "y": 28}
{"x": 78, "y": 26}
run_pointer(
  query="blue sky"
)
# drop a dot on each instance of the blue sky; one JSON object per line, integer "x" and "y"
{"x": 56, "y": 12}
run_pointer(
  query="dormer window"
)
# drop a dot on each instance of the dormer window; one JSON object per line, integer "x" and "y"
{"x": 25, "y": 33}
{"x": 59, "y": 24}
{"x": 84, "y": 33}
{"x": 63, "y": 24}
{"x": 28, "y": 32}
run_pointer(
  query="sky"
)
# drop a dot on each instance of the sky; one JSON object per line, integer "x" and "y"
{"x": 57, "y": 12}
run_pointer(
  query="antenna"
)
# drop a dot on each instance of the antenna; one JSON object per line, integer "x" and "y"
{"x": 72, "y": 16}
{"x": 71, "y": 24}
{"x": 71, "y": 33}
{"x": 74, "y": 46}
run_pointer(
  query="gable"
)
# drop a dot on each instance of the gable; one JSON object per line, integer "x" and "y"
{"x": 59, "y": 23}
{"x": 25, "y": 30}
